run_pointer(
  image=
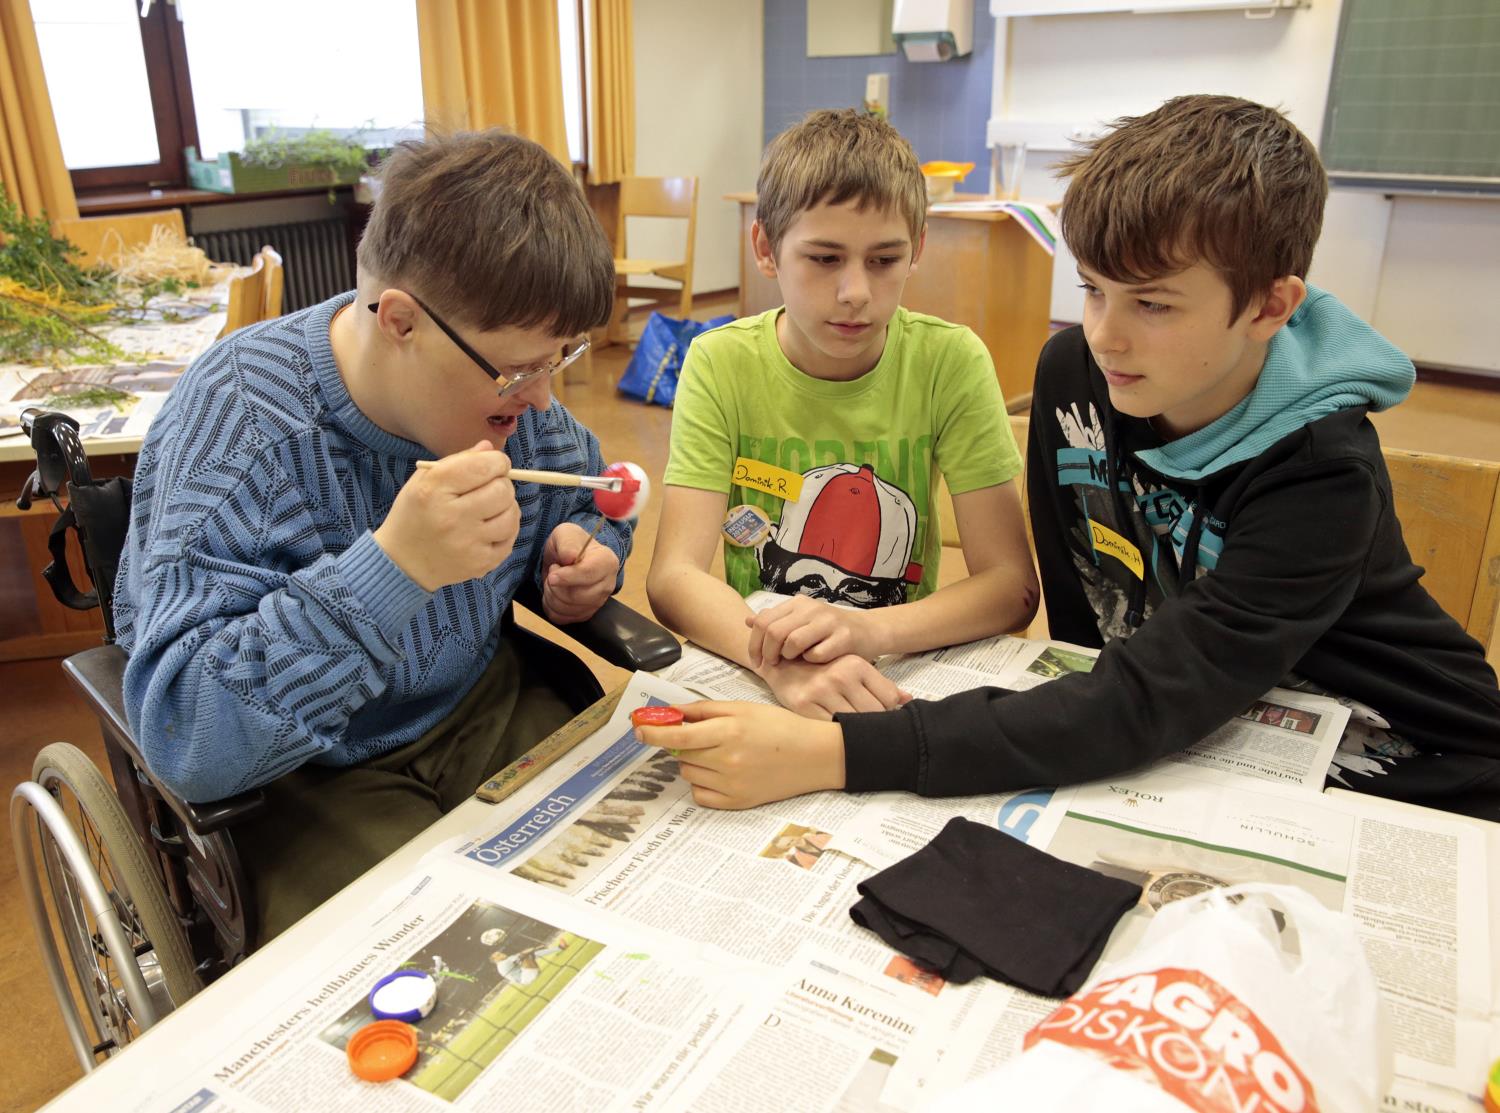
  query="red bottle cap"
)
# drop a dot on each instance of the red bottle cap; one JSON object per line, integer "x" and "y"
{"x": 657, "y": 716}
{"x": 383, "y": 1050}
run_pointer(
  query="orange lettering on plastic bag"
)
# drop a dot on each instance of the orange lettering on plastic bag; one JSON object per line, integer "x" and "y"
{"x": 1187, "y": 1034}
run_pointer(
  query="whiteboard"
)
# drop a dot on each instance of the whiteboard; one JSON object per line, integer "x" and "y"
{"x": 1004, "y": 8}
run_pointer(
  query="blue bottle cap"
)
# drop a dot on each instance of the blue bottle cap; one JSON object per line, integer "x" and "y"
{"x": 406, "y": 995}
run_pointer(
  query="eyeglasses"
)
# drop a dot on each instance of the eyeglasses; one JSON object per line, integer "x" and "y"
{"x": 509, "y": 384}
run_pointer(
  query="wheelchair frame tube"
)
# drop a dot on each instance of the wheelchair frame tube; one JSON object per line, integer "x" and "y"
{"x": 49, "y": 812}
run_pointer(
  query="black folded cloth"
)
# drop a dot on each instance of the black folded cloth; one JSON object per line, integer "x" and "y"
{"x": 976, "y": 901}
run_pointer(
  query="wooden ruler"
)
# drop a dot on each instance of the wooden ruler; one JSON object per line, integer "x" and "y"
{"x": 549, "y": 749}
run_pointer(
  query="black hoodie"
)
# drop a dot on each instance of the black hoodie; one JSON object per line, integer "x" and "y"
{"x": 1287, "y": 568}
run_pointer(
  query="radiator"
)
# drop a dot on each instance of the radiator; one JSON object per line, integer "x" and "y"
{"x": 317, "y": 254}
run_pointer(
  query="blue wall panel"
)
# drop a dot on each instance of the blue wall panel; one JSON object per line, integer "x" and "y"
{"x": 941, "y": 107}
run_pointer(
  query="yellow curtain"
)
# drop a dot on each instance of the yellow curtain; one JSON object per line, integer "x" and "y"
{"x": 611, "y": 84}
{"x": 487, "y": 63}
{"x": 31, "y": 161}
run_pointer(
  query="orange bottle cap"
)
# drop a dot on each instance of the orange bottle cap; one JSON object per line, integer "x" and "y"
{"x": 657, "y": 716}
{"x": 383, "y": 1050}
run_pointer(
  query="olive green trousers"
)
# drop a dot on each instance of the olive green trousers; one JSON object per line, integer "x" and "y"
{"x": 323, "y": 826}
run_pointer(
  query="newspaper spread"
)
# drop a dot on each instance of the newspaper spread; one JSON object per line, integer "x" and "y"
{"x": 602, "y": 943}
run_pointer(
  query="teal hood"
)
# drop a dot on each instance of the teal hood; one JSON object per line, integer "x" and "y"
{"x": 1323, "y": 360}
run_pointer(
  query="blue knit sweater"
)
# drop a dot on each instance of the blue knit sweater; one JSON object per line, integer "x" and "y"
{"x": 265, "y": 626}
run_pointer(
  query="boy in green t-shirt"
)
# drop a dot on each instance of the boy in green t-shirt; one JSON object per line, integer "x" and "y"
{"x": 832, "y": 417}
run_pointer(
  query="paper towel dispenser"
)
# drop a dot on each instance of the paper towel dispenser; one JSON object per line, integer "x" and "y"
{"x": 933, "y": 30}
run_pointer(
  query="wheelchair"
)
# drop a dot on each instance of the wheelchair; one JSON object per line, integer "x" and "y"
{"x": 145, "y": 889}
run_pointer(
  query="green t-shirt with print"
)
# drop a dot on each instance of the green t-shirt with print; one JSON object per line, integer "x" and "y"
{"x": 865, "y": 454}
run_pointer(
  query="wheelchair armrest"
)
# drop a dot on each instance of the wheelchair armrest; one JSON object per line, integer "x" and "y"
{"x": 99, "y": 674}
{"x": 624, "y": 637}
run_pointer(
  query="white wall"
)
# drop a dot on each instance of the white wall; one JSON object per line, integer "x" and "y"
{"x": 698, "y": 97}
{"x": 1422, "y": 270}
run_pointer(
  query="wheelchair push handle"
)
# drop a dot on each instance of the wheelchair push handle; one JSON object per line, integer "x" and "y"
{"x": 60, "y": 458}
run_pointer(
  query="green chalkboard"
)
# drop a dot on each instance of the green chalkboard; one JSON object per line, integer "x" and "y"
{"x": 1415, "y": 94}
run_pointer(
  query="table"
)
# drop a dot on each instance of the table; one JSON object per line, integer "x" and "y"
{"x": 979, "y": 269}
{"x": 211, "y": 1017}
{"x": 158, "y": 347}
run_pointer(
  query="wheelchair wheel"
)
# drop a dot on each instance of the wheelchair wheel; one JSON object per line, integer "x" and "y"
{"x": 121, "y": 934}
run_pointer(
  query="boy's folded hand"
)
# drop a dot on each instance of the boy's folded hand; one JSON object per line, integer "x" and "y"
{"x": 454, "y": 521}
{"x": 822, "y": 691}
{"x": 808, "y": 628}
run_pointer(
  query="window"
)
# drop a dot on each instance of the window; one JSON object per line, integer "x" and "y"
{"x": 570, "y": 38}
{"x": 126, "y": 104}
{"x": 299, "y": 65}
{"x": 116, "y": 82}
{"x": 84, "y": 38}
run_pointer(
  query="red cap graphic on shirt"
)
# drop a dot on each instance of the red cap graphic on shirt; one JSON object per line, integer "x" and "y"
{"x": 853, "y": 520}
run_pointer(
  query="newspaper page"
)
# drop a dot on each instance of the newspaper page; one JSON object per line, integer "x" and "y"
{"x": 823, "y": 1038}
{"x": 890, "y": 826}
{"x": 708, "y": 676}
{"x": 1407, "y": 880}
{"x": 982, "y": 1033}
{"x": 614, "y": 826}
{"x": 536, "y": 996}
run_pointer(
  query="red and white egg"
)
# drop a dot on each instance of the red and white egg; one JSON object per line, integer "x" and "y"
{"x": 625, "y": 503}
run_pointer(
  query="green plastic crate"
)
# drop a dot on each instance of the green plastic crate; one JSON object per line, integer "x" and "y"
{"x": 227, "y": 174}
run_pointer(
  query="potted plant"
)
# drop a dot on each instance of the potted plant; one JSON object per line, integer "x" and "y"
{"x": 276, "y": 162}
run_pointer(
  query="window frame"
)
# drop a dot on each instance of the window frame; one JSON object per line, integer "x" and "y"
{"x": 165, "y": 50}
{"x": 583, "y": 88}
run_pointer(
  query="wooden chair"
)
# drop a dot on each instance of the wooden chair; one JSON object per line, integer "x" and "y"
{"x": 100, "y": 239}
{"x": 270, "y": 306}
{"x": 1449, "y": 509}
{"x": 255, "y": 296}
{"x": 655, "y": 197}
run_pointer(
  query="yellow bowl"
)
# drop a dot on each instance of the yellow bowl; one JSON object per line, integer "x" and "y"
{"x": 943, "y": 178}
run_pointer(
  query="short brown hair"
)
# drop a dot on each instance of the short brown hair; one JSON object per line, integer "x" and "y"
{"x": 489, "y": 227}
{"x": 835, "y": 156}
{"x": 1218, "y": 179}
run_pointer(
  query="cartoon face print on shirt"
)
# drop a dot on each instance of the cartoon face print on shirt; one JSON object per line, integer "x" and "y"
{"x": 848, "y": 540}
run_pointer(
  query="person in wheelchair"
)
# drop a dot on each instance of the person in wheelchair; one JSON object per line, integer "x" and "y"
{"x": 307, "y": 612}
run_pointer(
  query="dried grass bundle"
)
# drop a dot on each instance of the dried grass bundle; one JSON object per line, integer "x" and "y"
{"x": 166, "y": 256}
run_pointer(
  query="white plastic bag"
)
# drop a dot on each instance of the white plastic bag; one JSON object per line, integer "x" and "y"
{"x": 1253, "y": 997}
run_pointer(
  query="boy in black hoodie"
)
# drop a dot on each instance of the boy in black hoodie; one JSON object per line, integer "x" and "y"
{"x": 1209, "y": 503}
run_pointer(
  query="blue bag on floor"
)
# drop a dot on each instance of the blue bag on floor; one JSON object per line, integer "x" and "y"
{"x": 652, "y": 372}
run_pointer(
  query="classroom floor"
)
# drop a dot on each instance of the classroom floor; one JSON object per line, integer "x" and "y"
{"x": 1446, "y": 415}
